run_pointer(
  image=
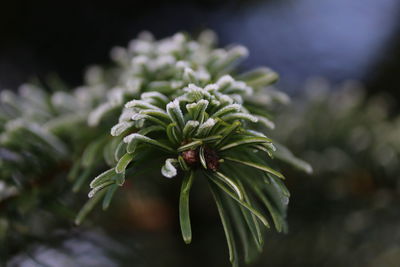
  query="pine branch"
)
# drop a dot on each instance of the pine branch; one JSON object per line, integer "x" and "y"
{"x": 177, "y": 99}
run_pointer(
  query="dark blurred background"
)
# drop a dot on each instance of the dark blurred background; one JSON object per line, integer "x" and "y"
{"x": 336, "y": 39}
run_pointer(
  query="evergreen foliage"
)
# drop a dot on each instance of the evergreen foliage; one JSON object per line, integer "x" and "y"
{"x": 178, "y": 104}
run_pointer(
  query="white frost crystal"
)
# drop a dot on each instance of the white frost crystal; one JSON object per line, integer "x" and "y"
{"x": 169, "y": 170}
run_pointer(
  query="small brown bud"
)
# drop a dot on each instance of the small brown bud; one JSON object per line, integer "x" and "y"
{"x": 191, "y": 157}
{"x": 212, "y": 159}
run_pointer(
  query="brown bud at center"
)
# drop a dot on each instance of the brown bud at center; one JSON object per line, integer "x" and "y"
{"x": 191, "y": 157}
